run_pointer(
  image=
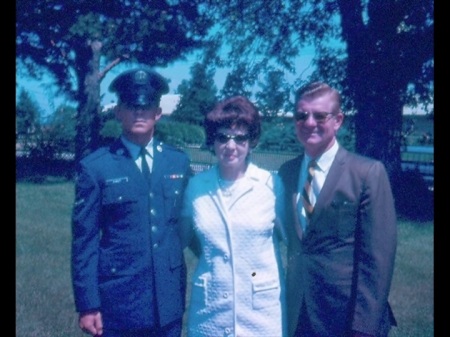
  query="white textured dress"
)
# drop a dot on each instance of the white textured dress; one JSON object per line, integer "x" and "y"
{"x": 238, "y": 284}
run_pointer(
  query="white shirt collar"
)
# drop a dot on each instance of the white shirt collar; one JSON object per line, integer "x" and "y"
{"x": 325, "y": 160}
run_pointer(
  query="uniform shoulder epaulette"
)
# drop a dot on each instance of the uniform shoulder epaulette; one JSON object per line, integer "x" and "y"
{"x": 100, "y": 152}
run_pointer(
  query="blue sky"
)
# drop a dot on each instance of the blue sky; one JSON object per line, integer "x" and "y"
{"x": 176, "y": 73}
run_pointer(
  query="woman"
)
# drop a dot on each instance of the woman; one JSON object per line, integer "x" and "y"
{"x": 231, "y": 221}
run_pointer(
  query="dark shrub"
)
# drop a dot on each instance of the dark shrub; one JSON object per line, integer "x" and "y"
{"x": 413, "y": 200}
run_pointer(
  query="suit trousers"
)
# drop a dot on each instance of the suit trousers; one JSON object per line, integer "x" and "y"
{"x": 303, "y": 324}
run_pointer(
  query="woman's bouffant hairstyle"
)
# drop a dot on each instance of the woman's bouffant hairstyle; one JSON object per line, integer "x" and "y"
{"x": 233, "y": 112}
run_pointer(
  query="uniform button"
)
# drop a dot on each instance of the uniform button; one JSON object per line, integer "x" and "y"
{"x": 227, "y": 330}
{"x": 119, "y": 198}
{"x": 225, "y": 257}
{"x": 225, "y": 295}
{"x": 177, "y": 192}
{"x": 155, "y": 245}
{"x": 151, "y": 194}
{"x": 153, "y": 211}
{"x": 154, "y": 229}
{"x": 113, "y": 270}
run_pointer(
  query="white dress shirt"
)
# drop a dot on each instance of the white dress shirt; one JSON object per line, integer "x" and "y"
{"x": 324, "y": 162}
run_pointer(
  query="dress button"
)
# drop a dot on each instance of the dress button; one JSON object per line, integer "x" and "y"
{"x": 227, "y": 330}
{"x": 113, "y": 270}
{"x": 150, "y": 194}
{"x": 153, "y": 211}
{"x": 225, "y": 257}
{"x": 155, "y": 245}
{"x": 154, "y": 229}
{"x": 225, "y": 295}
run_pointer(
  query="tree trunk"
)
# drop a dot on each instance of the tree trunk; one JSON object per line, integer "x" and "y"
{"x": 89, "y": 100}
{"x": 373, "y": 58}
{"x": 378, "y": 129}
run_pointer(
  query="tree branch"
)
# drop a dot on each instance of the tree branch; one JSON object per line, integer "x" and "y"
{"x": 111, "y": 65}
{"x": 60, "y": 49}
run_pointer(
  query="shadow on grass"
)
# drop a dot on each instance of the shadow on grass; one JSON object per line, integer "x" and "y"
{"x": 39, "y": 170}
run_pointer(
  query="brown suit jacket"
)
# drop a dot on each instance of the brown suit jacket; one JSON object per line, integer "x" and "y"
{"x": 340, "y": 269}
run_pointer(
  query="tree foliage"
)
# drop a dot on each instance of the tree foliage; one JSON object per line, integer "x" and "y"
{"x": 273, "y": 98}
{"x": 237, "y": 82}
{"x": 197, "y": 95}
{"x": 180, "y": 134}
{"x": 80, "y": 41}
{"x": 60, "y": 129}
{"x": 278, "y": 134}
{"x": 378, "y": 53}
{"x": 27, "y": 118}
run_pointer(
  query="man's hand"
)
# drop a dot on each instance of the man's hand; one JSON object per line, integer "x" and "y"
{"x": 91, "y": 322}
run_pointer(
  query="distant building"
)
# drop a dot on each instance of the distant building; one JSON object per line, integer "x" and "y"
{"x": 168, "y": 104}
{"x": 419, "y": 110}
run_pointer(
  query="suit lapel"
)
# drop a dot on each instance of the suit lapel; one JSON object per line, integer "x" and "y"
{"x": 329, "y": 185}
{"x": 291, "y": 187}
{"x": 297, "y": 225}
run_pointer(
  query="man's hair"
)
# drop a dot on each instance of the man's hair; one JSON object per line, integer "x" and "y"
{"x": 318, "y": 89}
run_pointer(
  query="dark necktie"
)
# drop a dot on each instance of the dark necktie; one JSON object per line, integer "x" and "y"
{"x": 144, "y": 165}
{"x": 306, "y": 192}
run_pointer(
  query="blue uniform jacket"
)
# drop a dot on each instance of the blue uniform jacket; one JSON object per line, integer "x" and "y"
{"x": 125, "y": 238}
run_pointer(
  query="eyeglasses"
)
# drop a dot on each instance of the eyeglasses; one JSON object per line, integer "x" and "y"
{"x": 319, "y": 117}
{"x": 223, "y": 138}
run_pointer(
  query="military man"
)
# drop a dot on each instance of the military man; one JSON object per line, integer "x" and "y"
{"x": 128, "y": 271}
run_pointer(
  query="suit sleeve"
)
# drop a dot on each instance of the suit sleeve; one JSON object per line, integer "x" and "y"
{"x": 85, "y": 241}
{"x": 375, "y": 250}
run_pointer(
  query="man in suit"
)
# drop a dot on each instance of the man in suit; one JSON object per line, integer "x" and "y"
{"x": 128, "y": 271}
{"x": 341, "y": 252}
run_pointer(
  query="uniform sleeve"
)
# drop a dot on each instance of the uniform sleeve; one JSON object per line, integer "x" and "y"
{"x": 186, "y": 221}
{"x": 85, "y": 241}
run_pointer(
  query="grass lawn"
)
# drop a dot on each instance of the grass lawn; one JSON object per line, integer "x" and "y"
{"x": 44, "y": 300}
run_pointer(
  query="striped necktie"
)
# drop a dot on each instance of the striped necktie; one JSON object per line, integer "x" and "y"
{"x": 306, "y": 192}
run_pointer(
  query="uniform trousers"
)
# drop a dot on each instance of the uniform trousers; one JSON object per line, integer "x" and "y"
{"x": 170, "y": 330}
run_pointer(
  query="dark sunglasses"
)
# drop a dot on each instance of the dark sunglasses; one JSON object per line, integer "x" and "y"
{"x": 319, "y": 117}
{"x": 224, "y": 138}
